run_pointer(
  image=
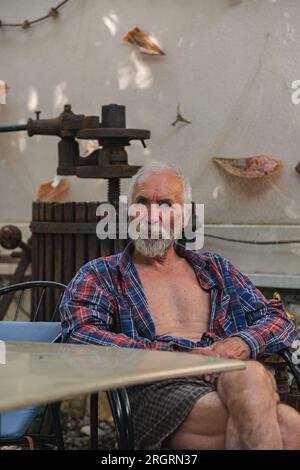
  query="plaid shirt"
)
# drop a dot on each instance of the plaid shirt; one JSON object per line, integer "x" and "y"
{"x": 105, "y": 304}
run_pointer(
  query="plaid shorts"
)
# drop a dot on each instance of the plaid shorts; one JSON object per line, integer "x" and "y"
{"x": 159, "y": 408}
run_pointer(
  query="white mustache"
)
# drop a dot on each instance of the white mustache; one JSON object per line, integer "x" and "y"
{"x": 155, "y": 230}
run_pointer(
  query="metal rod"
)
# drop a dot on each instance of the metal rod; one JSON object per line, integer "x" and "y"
{"x": 14, "y": 128}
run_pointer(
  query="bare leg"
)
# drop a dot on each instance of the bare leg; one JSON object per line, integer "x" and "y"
{"x": 251, "y": 400}
{"x": 289, "y": 422}
{"x": 245, "y": 413}
{"x": 204, "y": 428}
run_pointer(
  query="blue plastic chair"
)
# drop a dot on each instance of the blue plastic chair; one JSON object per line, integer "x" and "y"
{"x": 14, "y": 424}
{"x": 117, "y": 398}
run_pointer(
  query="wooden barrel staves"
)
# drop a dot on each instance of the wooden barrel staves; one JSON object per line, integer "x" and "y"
{"x": 63, "y": 239}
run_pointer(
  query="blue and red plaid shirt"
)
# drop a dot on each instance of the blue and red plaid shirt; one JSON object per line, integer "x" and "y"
{"x": 105, "y": 304}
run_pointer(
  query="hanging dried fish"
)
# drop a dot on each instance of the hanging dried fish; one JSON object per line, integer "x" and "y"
{"x": 143, "y": 42}
{"x": 51, "y": 190}
{"x": 250, "y": 167}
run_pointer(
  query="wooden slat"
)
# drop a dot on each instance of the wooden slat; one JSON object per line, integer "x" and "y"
{"x": 49, "y": 263}
{"x": 106, "y": 244}
{"x": 68, "y": 245}
{"x": 58, "y": 253}
{"x": 58, "y": 244}
{"x": 41, "y": 256}
{"x": 93, "y": 243}
{"x": 34, "y": 256}
{"x": 80, "y": 240}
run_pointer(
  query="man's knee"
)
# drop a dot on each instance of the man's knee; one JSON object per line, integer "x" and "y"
{"x": 254, "y": 372}
{"x": 254, "y": 381}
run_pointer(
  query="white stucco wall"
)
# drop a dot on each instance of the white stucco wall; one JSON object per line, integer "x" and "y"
{"x": 229, "y": 63}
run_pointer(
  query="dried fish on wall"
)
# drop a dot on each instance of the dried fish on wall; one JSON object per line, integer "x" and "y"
{"x": 143, "y": 42}
{"x": 51, "y": 190}
{"x": 251, "y": 167}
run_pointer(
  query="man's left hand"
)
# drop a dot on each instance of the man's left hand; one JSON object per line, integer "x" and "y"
{"x": 232, "y": 348}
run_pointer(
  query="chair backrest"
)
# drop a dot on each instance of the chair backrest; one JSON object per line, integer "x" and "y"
{"x": 43, "y": 304}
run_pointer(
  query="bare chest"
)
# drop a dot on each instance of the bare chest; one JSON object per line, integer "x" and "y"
{"x": 177, "y": 303}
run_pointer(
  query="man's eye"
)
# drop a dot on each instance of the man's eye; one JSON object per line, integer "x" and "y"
{"x": 142, "y": 201}
{"x": 165, "y": 205}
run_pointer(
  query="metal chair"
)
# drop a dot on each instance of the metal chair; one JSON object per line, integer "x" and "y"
{"x": 39, "y": 331}
{"x": 120, "y": 408}
{"x": 293, "y": 363}
{"x": 14, "y": 424}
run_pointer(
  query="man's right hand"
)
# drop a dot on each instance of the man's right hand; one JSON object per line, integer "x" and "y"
{"x": 208, "y": 351}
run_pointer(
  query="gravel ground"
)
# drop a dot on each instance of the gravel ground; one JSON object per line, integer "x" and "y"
{"x": 76, "y": 432}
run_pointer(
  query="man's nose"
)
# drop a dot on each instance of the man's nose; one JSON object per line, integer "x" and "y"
{"x": 153, "y": 213}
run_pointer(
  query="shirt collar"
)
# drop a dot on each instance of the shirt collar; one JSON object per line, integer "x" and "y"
{"x": 200, "y": 262}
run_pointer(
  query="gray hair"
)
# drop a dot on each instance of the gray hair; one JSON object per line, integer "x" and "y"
{"x": 156, "y": 167}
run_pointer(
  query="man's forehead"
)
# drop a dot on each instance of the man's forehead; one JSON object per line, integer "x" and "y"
{"x": 164, "y": 184}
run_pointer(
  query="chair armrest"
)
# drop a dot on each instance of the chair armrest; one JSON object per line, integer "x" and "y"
{"x": 293, "y": 362}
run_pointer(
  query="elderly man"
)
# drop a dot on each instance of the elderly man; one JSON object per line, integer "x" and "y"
{"x": 158, "y": 295}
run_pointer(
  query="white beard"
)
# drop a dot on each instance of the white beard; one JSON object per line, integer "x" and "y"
{"x": 158, "y": 245}
{"x": 153, "y": 248}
